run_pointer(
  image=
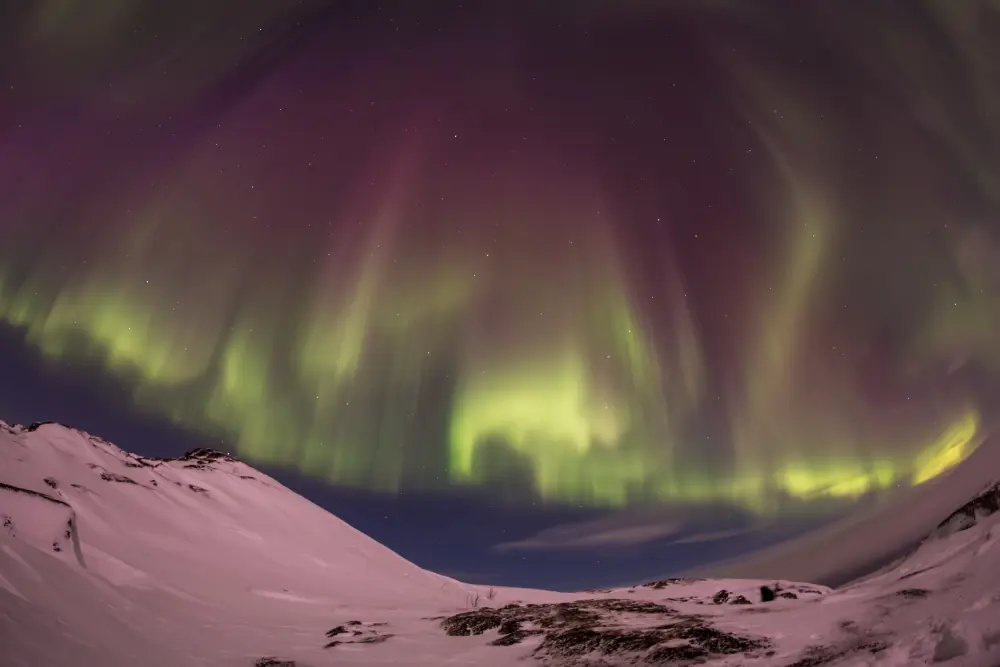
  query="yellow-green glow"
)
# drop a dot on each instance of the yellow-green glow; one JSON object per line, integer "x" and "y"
{"x": 953, "y": 447}
{"x": 549, "y": 412}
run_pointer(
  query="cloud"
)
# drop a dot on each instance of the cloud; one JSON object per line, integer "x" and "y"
{"x": 615, "y": 531}
{"x": 715, "y": 536}
{"x": 686, "y": 524}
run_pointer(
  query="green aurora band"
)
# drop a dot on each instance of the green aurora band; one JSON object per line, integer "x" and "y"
{"x": 487, "y": 323}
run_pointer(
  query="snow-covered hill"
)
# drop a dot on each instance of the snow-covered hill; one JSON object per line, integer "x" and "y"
{"x": 111, "y": 559}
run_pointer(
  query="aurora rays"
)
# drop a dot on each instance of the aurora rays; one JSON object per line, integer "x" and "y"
{"x": 755, "y": 281}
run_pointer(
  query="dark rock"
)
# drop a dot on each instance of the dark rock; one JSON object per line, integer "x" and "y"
{"x": 721, "y": 597}
{"x": 34, "y": 426}
{"x": 668, "y": 655}
{"x": 575, "y": 629}
{"x": 51, "y": 482}
{"x": 34, "y": 494}
{"x": 702, "y": 640}
{"x": 514, "y": 637}
{"x": 274, "y": 662}
{"x": 633, "y": 606}
{"x": 876, "y": 646}
{"x": 205, "y": 454}
{"x": 115, "y": 477}
{"x": 672, "y": 581}
{"x": 583, "y": 640}
{"x": 197, "y": 489}
{"x": 353, "y": 623}
{"x": 510, "y": 626}
{"x": 739, "y": 599}
{"x": 814, "y": 656}
{"x": 913, "y": 593}
{"x": 714, "y": 640}
{"x": 915, "y": 573}
{"x": 339, "y": 630}
{"x": 966, "y": 516}
{"x": 789, "y": 595}
{"x": 373, "y": 639}
{"x": 766, "y": 594}
{"x": 474, "y": 622}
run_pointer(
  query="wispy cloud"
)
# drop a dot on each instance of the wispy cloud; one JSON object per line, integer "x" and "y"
{"x": 615, "y": 531}
{"x": 715, "y": 536}
{"x": 684, "y": 524}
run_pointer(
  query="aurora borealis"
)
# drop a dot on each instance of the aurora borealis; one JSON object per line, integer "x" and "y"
{"x": 611, "y": 252}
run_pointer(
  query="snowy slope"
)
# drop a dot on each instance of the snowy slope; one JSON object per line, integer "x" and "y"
{"x": 111, "y": 559}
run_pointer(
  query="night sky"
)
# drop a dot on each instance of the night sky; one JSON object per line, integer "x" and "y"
{"x": 539, "y": 293}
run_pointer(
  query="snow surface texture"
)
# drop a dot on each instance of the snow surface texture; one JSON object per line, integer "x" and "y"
{"x": 111, "y": 559}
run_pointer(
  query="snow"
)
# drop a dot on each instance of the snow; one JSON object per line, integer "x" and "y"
{"x": 205, "y": 561}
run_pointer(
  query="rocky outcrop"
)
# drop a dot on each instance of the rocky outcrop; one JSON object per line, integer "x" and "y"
{"x": 589, "y": 631}
{"x": 966, "y": 516}
{"x": 271, "y": 661}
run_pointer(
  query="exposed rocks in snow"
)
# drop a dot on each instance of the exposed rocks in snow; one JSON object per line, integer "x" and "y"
{"x": 472, "y": 622}
{"x": 356, "y": 632}
{"x": 740, "y": 599}
{"x": 814, "y": 656}
{"x": 115, "y": 477}
{"x": 202, "y": 458}
{"x": 274, "y": 662}
{"x": 51, "y": 482}
{"x": 197, "y": 489}
{"x": 36, "y": 425}
{"x": 966, "y": 516}
{"x": 686, "y": 639}
{"x": 206, "y": 454}
{"x": 627, "y": 629}
{"x": 664, "y": 583}
{"x": 721, "y": 597}
{"x": 34, "y": 494}
{"x": 69, "y": 534}
{"x": 913, "y": 593}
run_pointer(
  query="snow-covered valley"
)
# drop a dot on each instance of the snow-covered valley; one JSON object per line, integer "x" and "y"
{"x": 110, "y": 559}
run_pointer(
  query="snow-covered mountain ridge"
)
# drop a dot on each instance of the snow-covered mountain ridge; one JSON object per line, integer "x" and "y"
{"x": 108, "y": 558}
